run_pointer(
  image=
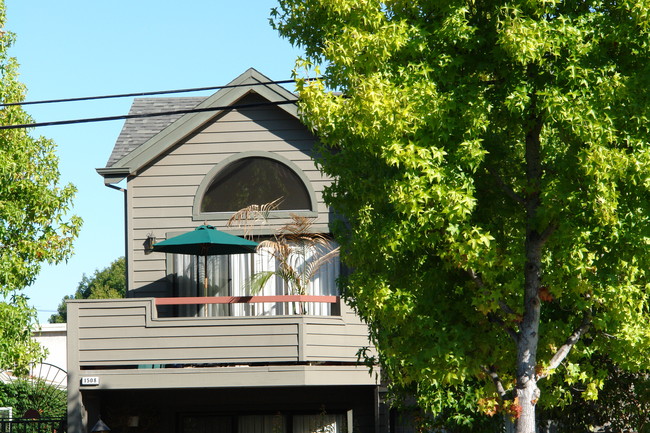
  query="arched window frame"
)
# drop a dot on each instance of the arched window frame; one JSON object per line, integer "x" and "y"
{"x": 197, "y": 215}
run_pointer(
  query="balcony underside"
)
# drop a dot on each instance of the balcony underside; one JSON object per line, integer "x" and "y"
{"x": 125, "y": 345}
{"x": 230, "y": 377}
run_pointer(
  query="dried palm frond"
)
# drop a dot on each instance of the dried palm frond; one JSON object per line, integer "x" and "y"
{"x": 298, "y": 252}
{"x": 255, "y": 214}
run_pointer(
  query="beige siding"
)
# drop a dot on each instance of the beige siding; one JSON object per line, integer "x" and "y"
{"x": 161, "y": 183}
{"x": 232, "y": 377}
{"x": 128, "y": 333}
{"x": 107, "y": 338}
{"x": 125, "y": 345}
{"x": 327, "y": 342}
{"x": 161, "y": 196}
{"x": 173, "y": 190}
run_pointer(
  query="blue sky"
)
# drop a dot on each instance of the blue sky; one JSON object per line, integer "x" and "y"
{"x": 74, "y": 48}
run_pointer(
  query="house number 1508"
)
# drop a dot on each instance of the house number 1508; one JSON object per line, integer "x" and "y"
{"x": 92, "y": 380}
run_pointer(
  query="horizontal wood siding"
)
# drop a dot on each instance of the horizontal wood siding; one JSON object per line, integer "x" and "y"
{"x": 231, "y": 377}
{"x": 161, "y": 195}
{"x": 113, "y": 335}
{"x": 326, "y": 342}
{"x": 126, "y": 332}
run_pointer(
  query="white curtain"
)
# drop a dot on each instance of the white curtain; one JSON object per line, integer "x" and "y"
{"x": 207, "y": 424}
{"x": 243, "y": 267}
{"x": 323, "y": 283}
{"x": 190, "y": 282}
{"x": 218, "y": 282}
{"x": 186, "y": 282}
{"x": 323, "y": 423}
{"x": 261, "y": 424}
{"x": 231, "y": 275}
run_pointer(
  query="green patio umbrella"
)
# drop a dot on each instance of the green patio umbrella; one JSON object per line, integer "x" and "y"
{"x": 205, "y": 241}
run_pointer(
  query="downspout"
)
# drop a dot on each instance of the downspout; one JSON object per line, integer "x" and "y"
{"x": 126, "y": 237}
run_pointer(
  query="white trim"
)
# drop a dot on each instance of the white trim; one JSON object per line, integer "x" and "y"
{"x": 197, "y": 215}
{"x": 189, "y": 123}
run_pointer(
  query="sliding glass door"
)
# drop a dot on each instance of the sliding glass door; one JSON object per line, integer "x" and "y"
{"x": 270, "y": 423}
{"x": 233, "y": 275}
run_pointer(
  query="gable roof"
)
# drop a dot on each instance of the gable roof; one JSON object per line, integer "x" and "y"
{"x": 142, "y": 140}
{"x": 138, "y": 130}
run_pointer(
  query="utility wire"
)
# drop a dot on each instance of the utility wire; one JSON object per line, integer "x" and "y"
{"x": 144, "y": 115}
{"x": 159, "y": 92}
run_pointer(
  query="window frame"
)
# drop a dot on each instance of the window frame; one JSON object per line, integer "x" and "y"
{"x": 288, "y": 418}
{"x": 198, "y": 215}
{"x": 332, "y": 288}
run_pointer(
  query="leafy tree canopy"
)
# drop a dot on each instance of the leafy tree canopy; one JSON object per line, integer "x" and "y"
{"x": 23, "y": 395}
{"x": 35, "y": 226}
{"x": 623, "y": 403}
{"x": 17, "y": 347}
{"x": 491, "y": 160}
{"x": 108, "y": 283}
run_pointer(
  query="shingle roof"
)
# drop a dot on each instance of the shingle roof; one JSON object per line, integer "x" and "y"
{"x": 137, "y": 131}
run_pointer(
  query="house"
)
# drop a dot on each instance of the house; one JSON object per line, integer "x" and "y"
{"x": 52, "y": 337}
{"x": 41, "y": 377}
{"x": 151, "y": 363}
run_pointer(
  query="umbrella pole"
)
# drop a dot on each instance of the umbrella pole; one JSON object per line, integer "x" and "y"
{"x": 205, "y": 283}
{"x": 198, "y": 283}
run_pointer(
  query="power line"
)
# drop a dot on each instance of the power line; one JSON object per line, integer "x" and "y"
{"x": 159, "y": 92}
{"x": 144, "y": 115}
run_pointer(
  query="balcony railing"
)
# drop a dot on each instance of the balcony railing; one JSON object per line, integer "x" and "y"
{"x": 190, "y": 300}
{"x": 314, "y": 305}
{"x": 123, "y": 333}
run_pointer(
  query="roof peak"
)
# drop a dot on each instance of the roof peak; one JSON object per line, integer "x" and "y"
{"x": 142, "y": 139}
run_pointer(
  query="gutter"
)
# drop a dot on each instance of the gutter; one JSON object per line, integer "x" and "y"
{"x": 111, "y": 177}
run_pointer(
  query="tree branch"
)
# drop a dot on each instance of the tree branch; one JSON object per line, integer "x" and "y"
{"x": 548, "y": 231}
{"x": 564, "y": 350}
{"x": 493, "y": 317}
{"x": 506, "y": 308}
{"x": 479, "y": 282}
{"x": 509, "y": 330}
{"x": 507, "y": 188}
{"x": 496, "y": 380}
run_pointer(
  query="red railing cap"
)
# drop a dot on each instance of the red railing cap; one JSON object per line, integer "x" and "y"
{"x": 191, "y": 300}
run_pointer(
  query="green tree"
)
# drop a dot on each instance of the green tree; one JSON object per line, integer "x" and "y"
{"x": 35, "y": 227}
{"x": 623, "y": 404}
{"x": 29, "y": 394}
{"x": 17, "y": 347}
{"x": 108, "y": 283}
{"x": 491, "y": 161}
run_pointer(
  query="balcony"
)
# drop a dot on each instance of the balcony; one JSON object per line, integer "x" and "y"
{"x": 124, "y": 342}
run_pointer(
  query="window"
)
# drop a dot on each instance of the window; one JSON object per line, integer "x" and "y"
{"x": 277, "y": 423}
{"x": 323, "y": 423}
{"x": 231, "y": 276}
{"x": 207, "y": 424}
{"x": 255, "y": 180}
{"x": 261, "y": 424}
{"x": 6, "y": 413}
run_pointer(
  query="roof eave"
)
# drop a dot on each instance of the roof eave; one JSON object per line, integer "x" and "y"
{"x": 113, "y": 175}
{"x": 132, "y": 162}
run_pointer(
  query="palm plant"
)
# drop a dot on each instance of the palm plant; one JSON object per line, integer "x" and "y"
{"x": 299, "y": 253}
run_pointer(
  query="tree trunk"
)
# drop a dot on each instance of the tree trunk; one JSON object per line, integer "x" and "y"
{"x": 527, "y": 392}
{"x": 527, "y": 397}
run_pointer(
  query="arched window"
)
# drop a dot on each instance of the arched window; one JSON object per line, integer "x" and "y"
{"x": 254, "y": 180}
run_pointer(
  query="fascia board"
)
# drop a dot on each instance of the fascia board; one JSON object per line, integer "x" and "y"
{"x": 113, "y": 175}
{"x": 190, "y": 122}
